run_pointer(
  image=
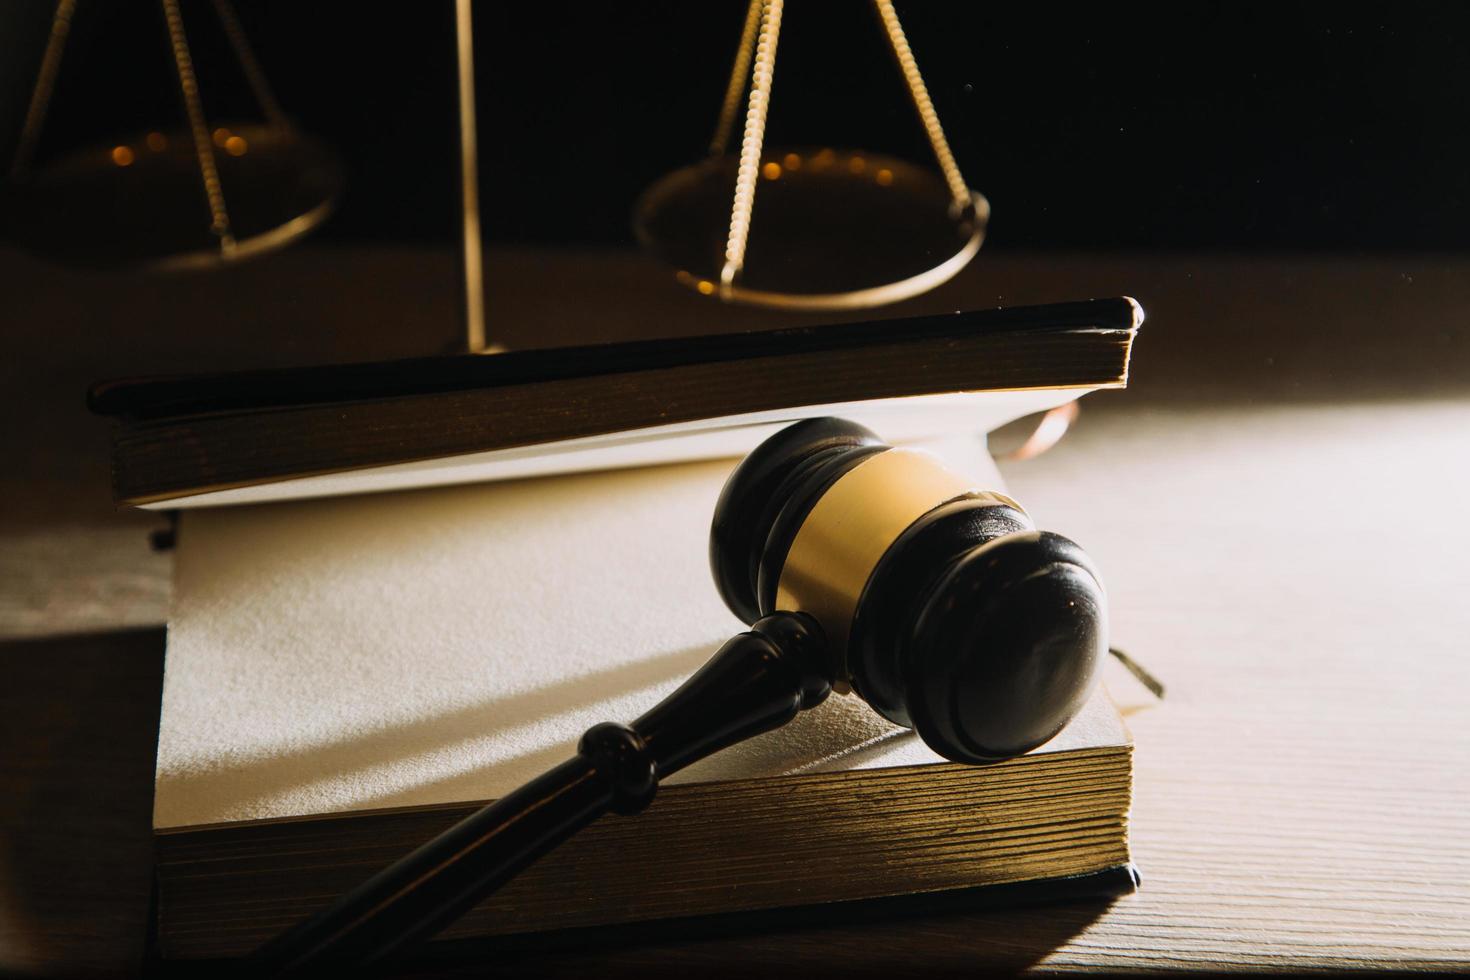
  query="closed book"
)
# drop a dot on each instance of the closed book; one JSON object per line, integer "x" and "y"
{"x": 253, "y": 436}
{"x": 347, "y": 676}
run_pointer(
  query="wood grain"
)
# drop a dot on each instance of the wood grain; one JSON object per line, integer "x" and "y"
{"x": 76, "y": 766}
{"x": 1277, "y": 504}
{"x": 1292, "y": 574}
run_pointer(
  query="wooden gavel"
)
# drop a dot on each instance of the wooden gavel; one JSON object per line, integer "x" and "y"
{"x": 860, "y": 568}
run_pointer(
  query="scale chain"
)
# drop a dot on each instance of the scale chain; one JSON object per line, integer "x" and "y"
{"x": 750, "y": 146}
{"x": 758, "y": 44}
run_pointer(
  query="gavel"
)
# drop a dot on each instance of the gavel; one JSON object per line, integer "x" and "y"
{"x": 860, "y": 568}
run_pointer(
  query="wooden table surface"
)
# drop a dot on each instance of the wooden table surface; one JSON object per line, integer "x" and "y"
{"x": 1280, "y": 504}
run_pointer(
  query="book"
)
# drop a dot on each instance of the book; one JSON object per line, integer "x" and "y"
{"x": 346, "y": 677}
{"x": 279, "y": 434}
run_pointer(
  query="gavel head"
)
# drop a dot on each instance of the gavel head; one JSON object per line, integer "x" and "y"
{"x": 942, "y": 605}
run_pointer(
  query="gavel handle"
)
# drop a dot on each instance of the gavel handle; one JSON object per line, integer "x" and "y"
{"x": 444, "y": 878}
{"x": 756, "y": 682}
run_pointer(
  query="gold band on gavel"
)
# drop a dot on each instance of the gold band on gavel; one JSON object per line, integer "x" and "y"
{"x": 851, "y": 527}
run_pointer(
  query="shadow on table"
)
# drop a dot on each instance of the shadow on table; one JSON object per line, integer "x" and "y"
{"x": 999, "y": 929}
{"x": 80, "y": 722}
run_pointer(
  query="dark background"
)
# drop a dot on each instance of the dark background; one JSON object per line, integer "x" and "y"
{"x": 1289, "y": 125}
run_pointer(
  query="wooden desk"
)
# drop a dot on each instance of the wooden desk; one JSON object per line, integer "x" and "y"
{"x": 1279, "y": 504}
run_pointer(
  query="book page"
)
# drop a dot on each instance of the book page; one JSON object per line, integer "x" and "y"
{"x": 898, "y": 419}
